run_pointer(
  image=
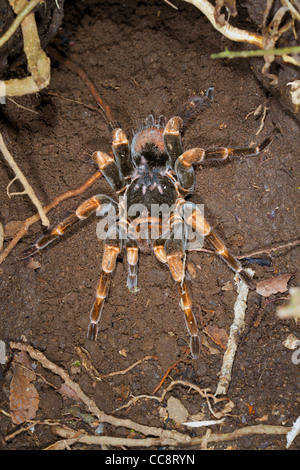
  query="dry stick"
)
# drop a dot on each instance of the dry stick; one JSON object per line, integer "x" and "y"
{"x": 18, "y": 20}
{"x": 236, "y": 330}
{"x": 122, "y": 372}
{"x": 164, "y": 437}
{"x": 204, "y": 393}
{"x": 261, "y": 252}
{"x": 38, "y": 62}
{"x": 166, "y": 375}
{"x": 269, "y": 250}
{"x": 227, "y": 30}
{"x": 28, "y": 189}
{"x": 56, "y": 95}
{"x": 255, "y": 53}
{"x": 92, "y": 407}
{"x": 71, "y": 436}
{"x": 34, "y": 218}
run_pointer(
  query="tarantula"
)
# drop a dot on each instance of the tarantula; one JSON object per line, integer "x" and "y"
{"x": 153, "y": 170}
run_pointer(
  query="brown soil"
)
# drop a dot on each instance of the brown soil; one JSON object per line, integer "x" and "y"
{"x": 146, "y": 57}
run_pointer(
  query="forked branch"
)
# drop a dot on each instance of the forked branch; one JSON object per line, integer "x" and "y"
{"x": 28, "y": 189}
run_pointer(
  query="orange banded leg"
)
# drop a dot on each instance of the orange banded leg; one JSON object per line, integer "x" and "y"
{"x": 184, "y": 163}
{"x": 100, "y": 204}
{"x": 132, "y": 250}
{"x": 195, "y": 219}
{"x": 224, "y": 154}
{"x": 121, "y": 150}
{"x": 231, "y": 260}
{"x": 190, "y": 320}
{"x": 112, "y": 248}
{"x": 170, "y": 251}
{"x": 172, "y": 139}
{"x": 110, "y": 170}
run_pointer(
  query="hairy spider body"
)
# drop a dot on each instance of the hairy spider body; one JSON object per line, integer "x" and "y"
{"x": 153, "y": 172}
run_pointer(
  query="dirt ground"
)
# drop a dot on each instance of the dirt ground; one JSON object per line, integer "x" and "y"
{"x": 147, "y": 57}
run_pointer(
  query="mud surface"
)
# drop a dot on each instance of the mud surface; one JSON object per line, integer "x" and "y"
{"x": 147, "y": 57}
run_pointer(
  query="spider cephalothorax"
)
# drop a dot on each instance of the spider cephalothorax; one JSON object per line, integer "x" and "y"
{"x": 153, "y": 171}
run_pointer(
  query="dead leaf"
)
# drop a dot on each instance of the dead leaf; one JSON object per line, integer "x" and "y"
{"x": 217, "y": 335}
{"x": 24, "y": 398}
{"x": 273, "y": 285}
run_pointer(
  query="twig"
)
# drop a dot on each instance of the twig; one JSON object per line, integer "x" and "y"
{"x": 122, "y": 372}
{"x": 162, "y": 437}
{"x": 204, "y": 393}
{"x": 38, "y": 62}
{"x": 70, "y": 436}
{"x": 262, "y": 120}
{"x": 256, "y": 53}
{"x": 134, "y": 399}
{"x": 166, "y": 375}
{"x": 294, "y": 12}
{"x": 10, "y": 160}
{"x": 227, "y": 30}
{"x": 93, "y": 108}
{"x": 92, "y": 407}
{"x": 18, "y": 20}
{"x": 236, "y": 329}
{"x": 171, "y": 4}
{"x": 269, "y": 250}
{"x": 22, "y": 107}
{"x": 260, "y": 252}
{"x": 92, "y": 371}
{"x": 34, "y": 218}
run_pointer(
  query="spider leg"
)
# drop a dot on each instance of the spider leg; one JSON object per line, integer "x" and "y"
{"x": 112, "y": 248}
{"x": 172, "y": 139}
{"x": 171, "y": 251}
{"x": 99, "y": 203}
{"x": 184, "y": 163}
{"x": 110, "y": 170}
{"x": 132, "y": 250}
{"x": 194, "y": 218}
{"x": 121, "y": 150}
{"x": 174, "y": 126}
